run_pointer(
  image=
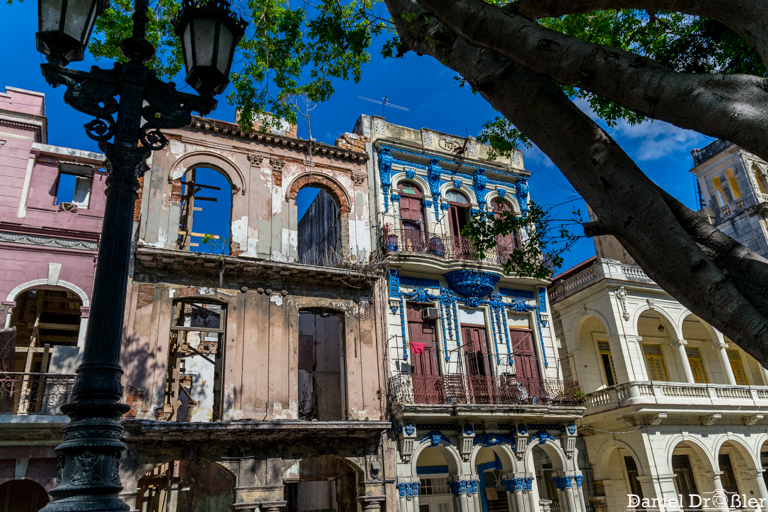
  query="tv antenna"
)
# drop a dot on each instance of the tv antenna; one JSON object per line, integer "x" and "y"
{"x": 384, "y": 104}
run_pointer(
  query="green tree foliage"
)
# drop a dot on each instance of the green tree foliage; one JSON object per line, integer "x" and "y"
{"x": 298, "y": 49}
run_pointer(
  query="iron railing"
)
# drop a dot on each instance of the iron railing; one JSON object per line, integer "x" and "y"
{"x": 441, "y": 246}
{"x": 35, "y": 393}
{"x": 475, "y": 389}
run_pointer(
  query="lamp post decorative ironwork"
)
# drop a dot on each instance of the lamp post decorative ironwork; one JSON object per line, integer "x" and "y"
{"x": 130, "y": 106}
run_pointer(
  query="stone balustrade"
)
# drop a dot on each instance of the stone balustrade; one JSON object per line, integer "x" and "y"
{"x": 602, "y": 269}
{"x": 676, "y": 393}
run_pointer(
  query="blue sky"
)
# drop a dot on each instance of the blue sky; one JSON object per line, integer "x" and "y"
{"x": 419, "y": 83}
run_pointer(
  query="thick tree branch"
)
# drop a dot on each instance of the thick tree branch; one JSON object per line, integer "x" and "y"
{"x": 731, "y": 107}
{"x": 747, "y": 18}
{"x": 625, "y": 201}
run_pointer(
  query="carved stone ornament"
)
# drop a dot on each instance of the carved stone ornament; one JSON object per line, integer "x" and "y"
{"x": 48, "y": 241}
{"x": 277, "y": 163}
{"x": 378, "y": 126}
{"x": 256, "y": 160}
{"x": 621, "y": 294}
{"x": 752, "y": 419}
{"x": 656, "y": 419}
{"x": 710, "y": 419}
{"x": 358, "y": 178}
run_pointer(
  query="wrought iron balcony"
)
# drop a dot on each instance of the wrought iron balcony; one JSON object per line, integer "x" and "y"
{"x": 35, "y": 393}
{"x": 457, "y": 389}
{"x": 394, "y": 242}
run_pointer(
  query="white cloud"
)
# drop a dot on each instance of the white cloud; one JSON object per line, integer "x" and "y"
{"x": 657, "y": 139}
{"x": 536, "y": 156}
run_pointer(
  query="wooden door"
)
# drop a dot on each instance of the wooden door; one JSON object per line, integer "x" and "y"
{"x": 479, "y": 373}
{"x": 526, "y": 364}
{"x": 412, "y": 217}
{"x": 425, "y": 368}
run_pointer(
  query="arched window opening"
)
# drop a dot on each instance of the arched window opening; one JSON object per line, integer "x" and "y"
{"x": 185, "y": 485}
{"x": 321, "y": 364}
{"x": 319, "y": 230}
{"x": 505, "y": 244}
{"x": 206, "y": 207}
{"x": 719, "y": 192}
{"x": 43, "y": 352}
{"x": 458, "y": 217}
{"x": 22, "y": 496}
{"x": 195, "y": 357}
{"x": 412, "y": 217}
{"x": 760, "y": 178}
{"x": 735, "y": 190}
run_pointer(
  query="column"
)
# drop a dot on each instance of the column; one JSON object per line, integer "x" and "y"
{"x": 568, "y": 491}
{"x": 408, "y": 492}
{"x": 515, "y": 487}
{"x": 717, "y": 498}
{"x": 460, "y": 488}
{"x": 686, "y": 365}
{"x": 577, "y": 479}
{"x": 660, "y": 487}
{"x": 401, "y": 492}
{"x": 528, "y": 489}
{"x": 82, "y": 332}
{"x": 729, "y": 376}
{"x": 762, "y": 491}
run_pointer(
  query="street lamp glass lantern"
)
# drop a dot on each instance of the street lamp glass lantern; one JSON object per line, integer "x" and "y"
{"x": 64, "y": 27}
{"x": 209, "y": 33}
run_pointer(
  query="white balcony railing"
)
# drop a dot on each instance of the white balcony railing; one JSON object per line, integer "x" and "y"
{"x": 602, "y": 269}
{"x": 676, "y": 393}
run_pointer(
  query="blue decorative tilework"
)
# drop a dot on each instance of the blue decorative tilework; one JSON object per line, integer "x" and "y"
{"x": 472, "y": 283}
{"x": 522, "y": 194}
{"x": 394, "y": 283}
{"x": 542, "y": 299}
{"x": 385, "y": 174}
{"x": 480, "y": 182}
{"x": 457, "y": 183}
{"x": 516, "y": 294}
{"x": 419, "y": 281}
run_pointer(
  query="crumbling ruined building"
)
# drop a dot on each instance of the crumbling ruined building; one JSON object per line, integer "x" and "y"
{"x": 248, "y": 367}
{"x": 483, "y": 418}
{"x": 51, "y": 209}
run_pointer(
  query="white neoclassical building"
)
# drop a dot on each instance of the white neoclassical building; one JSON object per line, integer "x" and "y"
{"x": 673, "y": 408}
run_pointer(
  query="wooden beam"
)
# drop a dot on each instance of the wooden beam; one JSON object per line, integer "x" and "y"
{"x": 58, "y": 327}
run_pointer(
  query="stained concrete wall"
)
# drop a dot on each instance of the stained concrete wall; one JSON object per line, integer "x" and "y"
{"x": 265, "y": 172}
{"x": 260, "y": 370}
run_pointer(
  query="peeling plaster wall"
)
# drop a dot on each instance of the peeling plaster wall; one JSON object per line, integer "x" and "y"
{"x": 260, "y": 371}
{"x": 264, "y": 214}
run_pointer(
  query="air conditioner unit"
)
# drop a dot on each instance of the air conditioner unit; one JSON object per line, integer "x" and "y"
{"x": 430, "y": 314}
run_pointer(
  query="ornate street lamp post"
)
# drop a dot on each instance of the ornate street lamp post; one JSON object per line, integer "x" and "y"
{"x": 130, "y": 106}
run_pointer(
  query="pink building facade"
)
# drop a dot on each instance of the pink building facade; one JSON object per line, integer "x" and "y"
{"x": 51, "y": 211}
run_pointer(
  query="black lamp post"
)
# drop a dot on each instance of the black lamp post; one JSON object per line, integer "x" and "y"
{"x": 89, "y": 458}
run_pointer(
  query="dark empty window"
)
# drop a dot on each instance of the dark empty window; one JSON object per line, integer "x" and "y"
{"x": 320, "y": 365}
{"x": 319, "y": 229}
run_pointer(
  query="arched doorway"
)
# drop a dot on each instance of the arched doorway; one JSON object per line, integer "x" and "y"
{"x": 319, "y": 227}
{"x": 491, "y": 464}
{"x": 435, "y": 467}
{"x": 206, "y": 211}
{"x": 692, "y": 468}
{"x": 195, "y": 485}
{"x": 545, "y": 470}
{"x": 22, "y": 496}
{"x": 325, "y": 482}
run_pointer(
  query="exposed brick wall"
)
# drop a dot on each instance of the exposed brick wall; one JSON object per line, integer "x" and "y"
{"x": 352, "y": 141}
{"x": 146, "y": 295}
{"x": 135, "y": 400}
{"x": 137, "y": 205}
{"x": 186, "y": 291}
{"x": 176, "y": 191}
